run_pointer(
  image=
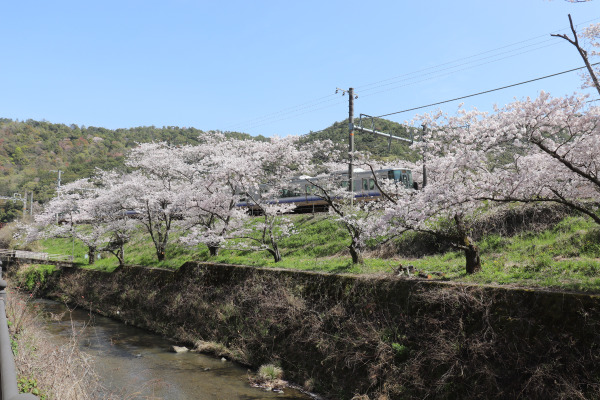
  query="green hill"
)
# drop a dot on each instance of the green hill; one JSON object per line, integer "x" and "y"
{"x": 32, "y": 152}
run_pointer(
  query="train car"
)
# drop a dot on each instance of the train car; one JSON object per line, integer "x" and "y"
{"x": 304, "y": 194}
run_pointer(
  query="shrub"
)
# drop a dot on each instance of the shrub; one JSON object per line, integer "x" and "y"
{"x": 270, "y": 372}
{"x": 31, "y": 276}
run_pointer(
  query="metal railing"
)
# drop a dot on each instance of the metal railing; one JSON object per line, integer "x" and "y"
{"x": 33, "y": 255}
{"x": 8, "y": 373}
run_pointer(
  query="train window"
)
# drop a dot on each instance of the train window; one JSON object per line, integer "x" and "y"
{"x": 365, "y": 184}
{"x": 344, "y": 184}
{"x": 396, "y": 175}
{"x": 371, "y": 184}
{"x": 401, "y": 176}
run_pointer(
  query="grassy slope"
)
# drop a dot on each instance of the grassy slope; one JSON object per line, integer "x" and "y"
{"x": 565, "y": 256}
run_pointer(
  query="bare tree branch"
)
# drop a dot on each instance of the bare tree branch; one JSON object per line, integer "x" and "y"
{"x": 582, "y": 52}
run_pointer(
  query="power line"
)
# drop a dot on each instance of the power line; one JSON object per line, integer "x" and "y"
{"x": 451, "y": 72}
{"x": 436, "y": 67}
{"x": 311, "y": 106}
{"x": 297, "y": 115}
{"x": 293, "y": 111}
{"x": 362, "y": 88}
{"x": 301, "y": 106}
{"x": 484, "y": 92}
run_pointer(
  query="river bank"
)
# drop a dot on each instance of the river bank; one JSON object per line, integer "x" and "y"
{"x": 47, "y": 368}
{"x": 133, "y": 363}
{"x": 346, "y": 336}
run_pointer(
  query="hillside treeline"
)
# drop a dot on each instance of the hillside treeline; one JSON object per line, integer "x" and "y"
{"x": 32, "y": 152}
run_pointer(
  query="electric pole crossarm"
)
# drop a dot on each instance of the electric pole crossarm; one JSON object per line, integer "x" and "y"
{"x": 386, "y": 135}
{"x": 389, "y": 136}
{"x": 14, "y": 198}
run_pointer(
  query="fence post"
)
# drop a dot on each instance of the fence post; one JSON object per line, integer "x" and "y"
{"x": 8, "y": 374}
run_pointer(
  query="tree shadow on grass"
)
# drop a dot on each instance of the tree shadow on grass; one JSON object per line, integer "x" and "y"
{"x": 345, "y": 268}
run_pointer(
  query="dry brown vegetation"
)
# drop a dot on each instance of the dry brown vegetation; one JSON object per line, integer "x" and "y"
{"x": 380, "y": 338}
{"x": 61, "y": 371}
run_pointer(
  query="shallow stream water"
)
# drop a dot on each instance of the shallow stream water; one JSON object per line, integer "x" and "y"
{"x": 139, "y": 364}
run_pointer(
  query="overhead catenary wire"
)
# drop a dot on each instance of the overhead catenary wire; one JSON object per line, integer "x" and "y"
{"x": 285, "y": 111}
{"x": 484, "y": 92}
{"x": 436, "y": 69}
{"x": 430, "y": 73}
{"x": 363, "y": 88}
{"x": 297, "y": 115}
{"x": 311, "y": 106}
{"x": 448, "y": 73}
{"x": 438, "y": 103}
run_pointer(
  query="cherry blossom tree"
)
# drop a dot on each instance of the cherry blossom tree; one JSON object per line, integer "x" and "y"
{"x": 441, "y": 209}
{"x": 557, "y": 148}
{"x": 211, "y": 197}
{"x": 541, "y": 150}
{"x": 269, "y": 169}
{"x": 358, "y": 211}
{"x": 86, "y": 210}
{"x": 152, "y": 190}
{"x": 229, "y": 179}
{"x": 446, "y": 205}
{"x": 115, "y": 223}
{"x": 66, "y": 215}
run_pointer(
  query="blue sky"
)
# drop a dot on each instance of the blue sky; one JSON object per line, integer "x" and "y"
{"x": 272, "y": 67}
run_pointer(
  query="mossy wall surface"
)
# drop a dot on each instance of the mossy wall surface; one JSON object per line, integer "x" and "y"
{"x": 387, "y": 337}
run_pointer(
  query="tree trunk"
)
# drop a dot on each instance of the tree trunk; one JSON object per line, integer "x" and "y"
{"x": 275, "y": 253}
{"x": 91, "y": 255}
{"x": 356, "y": 254}
{"x": 160, "y": 255}
{"x": 473, "y": 262}
{"x": 213, "y": 251}
{"x": 120, "y": 254}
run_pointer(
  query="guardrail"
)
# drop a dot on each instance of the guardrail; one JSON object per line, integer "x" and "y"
{"x": 8, "y": 373}
{"x": 33, "y": 255}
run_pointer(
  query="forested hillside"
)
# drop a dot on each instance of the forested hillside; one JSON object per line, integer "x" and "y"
{"x": 32, "y": 152}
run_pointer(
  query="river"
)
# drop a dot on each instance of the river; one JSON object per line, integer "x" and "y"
{"x": 131, "y": 360}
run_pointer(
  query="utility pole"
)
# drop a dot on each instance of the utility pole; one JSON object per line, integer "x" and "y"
{"x": 351, "y": 98}
{"x": 424, "y": 151}
{"x": 351, "y": 143}
{"x": 59, "y": 174}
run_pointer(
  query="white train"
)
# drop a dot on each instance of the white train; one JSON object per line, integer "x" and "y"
{"x": 304, "y": 195}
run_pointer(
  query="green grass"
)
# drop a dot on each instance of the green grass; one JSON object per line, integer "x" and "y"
{"x": 566, "y": 256}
